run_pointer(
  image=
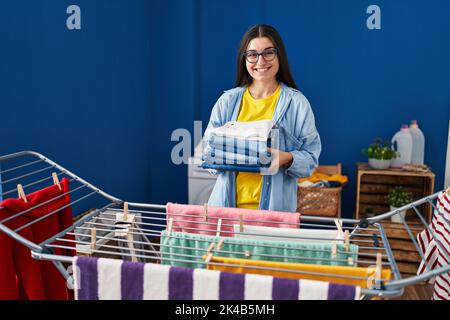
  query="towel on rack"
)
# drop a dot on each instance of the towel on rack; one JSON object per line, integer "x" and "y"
{"x": 437, "y": 249}
{"x": 35, "y": 279}
{"x": 191, "y": 247}
{"x": 324, "y": 272}
{"x": 191, "y": 218}
{"x": 108, "y": 279}
{"x": 288, "y": 234}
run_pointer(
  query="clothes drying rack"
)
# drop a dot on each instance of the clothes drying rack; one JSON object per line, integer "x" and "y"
{"x": 29, "y": 171}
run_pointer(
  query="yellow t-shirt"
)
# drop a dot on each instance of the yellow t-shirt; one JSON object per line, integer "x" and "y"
{"x": 249, "y": 184}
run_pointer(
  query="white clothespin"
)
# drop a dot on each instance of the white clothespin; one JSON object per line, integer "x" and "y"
{"x": 347, "y": 240}
{"x": 56, "y": 180}
{"x": 205, "y": 210}
{"x": 169, "y": 227}
{"x": 219, "y": 227}
{"x": 93, "y": 239}
{"x": 247, "y": 253}
{"x": 21, "y": 193}
{"x": 124, "y": 221}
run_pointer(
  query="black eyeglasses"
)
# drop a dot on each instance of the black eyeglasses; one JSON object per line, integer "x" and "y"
{"x": 268, "y": 54}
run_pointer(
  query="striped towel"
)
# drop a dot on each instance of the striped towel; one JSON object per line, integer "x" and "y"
{"x": 437, "y": 250}
{"x": 109, "y": 279}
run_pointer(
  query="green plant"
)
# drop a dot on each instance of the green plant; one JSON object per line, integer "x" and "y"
{"x": 399, "y": 197}
{"x": 380, "y": 150}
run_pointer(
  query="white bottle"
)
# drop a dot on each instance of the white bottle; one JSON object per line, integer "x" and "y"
{"x": 418, "y": 148}
{"x": 402, "y": 143}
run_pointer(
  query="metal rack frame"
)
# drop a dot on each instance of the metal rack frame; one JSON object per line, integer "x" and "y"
{"x": 33, "y": 171}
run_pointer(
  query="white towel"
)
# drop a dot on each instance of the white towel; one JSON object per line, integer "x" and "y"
{"x": 301, "y": 235}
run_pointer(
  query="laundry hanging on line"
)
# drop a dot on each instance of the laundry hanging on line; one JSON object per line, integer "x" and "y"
{"x": 204, "y": 219}
{"x": 188, "y": 246}
{"x": 109, "y": 279}
{"x": 21, "y": 276}
{"x": 437, "y": 249}
{"x": 326, "y": 273}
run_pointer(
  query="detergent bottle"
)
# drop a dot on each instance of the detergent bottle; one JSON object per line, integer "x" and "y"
{"x": 402, "y": 143}
{"x": 418, "y": 146}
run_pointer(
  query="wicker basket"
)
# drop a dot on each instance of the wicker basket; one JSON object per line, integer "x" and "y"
{"x": 319, "y": 201}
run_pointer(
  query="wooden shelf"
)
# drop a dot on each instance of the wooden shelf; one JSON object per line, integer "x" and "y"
{"x": 373, "y": 185}
{"x": 371, "y": 188}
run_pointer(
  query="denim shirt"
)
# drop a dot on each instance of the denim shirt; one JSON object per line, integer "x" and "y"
{"x": 297, "y": 134}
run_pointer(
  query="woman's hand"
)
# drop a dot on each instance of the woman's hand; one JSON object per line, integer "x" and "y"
{"x": 279, "y": 159}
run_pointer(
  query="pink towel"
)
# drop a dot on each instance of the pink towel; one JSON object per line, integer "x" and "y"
{"x": 189, "y": 218}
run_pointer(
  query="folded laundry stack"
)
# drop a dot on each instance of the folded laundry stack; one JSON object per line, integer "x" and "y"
{"x": 238, "y": 146}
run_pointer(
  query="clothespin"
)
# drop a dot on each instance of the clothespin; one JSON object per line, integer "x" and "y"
{"x": 347, "y": 240}
{"x": 124, "y": 221}
{"x": 247, "y": 253}
{"x": 131, "y": 247}
{"x": 379, "y": 268}
{"x": 56, "y": 180}
{"x": 241, "y": 222}
{"x": 219, "y": 226}
{"x": 205, "y": 207}
{"x": 125, "y": 211}
{"x": 169, "y": 227}
{"x": 219, "y": 245}
{"x": 338, "y": 223}
{"x": 334, "y": 249}
{"x": 209, "y": 253}
{"x": 93, "y": 238}
{"x": 350, "y": 261}
{"x": 21, "y": 193}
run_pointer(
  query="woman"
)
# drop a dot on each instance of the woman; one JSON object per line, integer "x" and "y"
{"x": 265, "y": 90}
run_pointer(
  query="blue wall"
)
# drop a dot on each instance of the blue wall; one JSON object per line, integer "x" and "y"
{"x": 103, "y": 100}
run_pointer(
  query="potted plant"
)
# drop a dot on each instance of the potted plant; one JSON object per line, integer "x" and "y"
{"x": 380, "y": 154}
{"x": 396, "y": 198}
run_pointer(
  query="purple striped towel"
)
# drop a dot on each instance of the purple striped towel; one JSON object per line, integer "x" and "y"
{"x": 110, "y": 279}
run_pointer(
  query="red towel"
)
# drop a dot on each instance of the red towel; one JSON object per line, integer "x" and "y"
{"x": 21, "y": 276}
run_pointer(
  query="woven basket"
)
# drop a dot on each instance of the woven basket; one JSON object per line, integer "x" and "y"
{"x": 319, "y": 201}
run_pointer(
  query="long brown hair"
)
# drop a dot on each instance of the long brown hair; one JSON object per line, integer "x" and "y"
{"x": 284, "y": 75}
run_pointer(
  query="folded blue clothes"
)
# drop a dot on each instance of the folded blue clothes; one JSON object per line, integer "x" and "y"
{"x": 252, "y": 148}
{"x": 238, "y": 168}
{"x": 216, "y": 156}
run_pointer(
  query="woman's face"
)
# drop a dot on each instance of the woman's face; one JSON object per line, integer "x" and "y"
{"x": 262, "y": 70}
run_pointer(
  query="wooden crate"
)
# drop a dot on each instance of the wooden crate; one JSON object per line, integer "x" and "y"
{"x": 373, "y": 185}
